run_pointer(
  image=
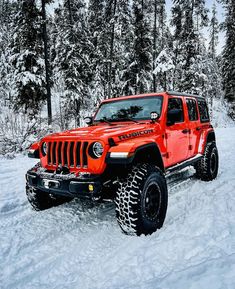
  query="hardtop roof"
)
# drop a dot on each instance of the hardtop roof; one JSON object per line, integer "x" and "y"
{"x": 172, "y": 93}
{"x": 176, "y": 93}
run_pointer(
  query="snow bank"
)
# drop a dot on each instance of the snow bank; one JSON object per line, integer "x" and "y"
{"x": 220, "y": 116}
{"x": 78, "y": 245}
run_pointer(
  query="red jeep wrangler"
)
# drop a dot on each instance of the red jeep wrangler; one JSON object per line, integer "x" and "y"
{"x": 124, "y": 154}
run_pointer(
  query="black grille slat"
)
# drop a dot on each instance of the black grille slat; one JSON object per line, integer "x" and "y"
{"x": 78, "y": 160}
{"x": 65, "y": 153}
{"x": 84, "y": 154}
{"x": 54, "y": 152}
{"x": 60, "y": 153}
{"x": 71, "y": 153}
{"x": 49, "y": 153}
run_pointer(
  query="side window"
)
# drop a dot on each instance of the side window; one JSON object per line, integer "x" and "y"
{"x": 176, "y": 103}
{"x": 203, "y": 110}
{"x": 192, "y": 109}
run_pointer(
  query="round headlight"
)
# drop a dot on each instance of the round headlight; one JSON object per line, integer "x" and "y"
{"x": 44, "y": 148}
{"x": 97, "y": 149}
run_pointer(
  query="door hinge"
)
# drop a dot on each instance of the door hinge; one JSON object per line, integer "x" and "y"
{"x": 165, "y": 155}
{"x": 186, "y": 130}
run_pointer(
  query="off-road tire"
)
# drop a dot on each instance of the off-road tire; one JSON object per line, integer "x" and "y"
{"x": 132, "y": 200}
{"x": 40, "y": 200}
{"x": 207, "y": 167}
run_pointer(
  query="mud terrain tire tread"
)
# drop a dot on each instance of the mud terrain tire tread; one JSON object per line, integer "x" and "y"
{"x": 129, "y": 200}
{"x": 40, "y": 200}
{"x": 203, "y": 166}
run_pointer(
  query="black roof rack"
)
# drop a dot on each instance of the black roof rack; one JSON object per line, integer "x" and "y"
{"x": 176, "y": 93}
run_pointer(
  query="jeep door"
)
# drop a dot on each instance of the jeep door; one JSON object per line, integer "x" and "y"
{"x": 194, "y": 126}
{"x": 177, "y": 134}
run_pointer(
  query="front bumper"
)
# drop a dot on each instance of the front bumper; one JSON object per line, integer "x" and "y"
{"x": 65, "y": 185}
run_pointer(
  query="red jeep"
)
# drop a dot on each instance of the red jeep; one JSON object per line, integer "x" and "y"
{"x": 129, "y": 146}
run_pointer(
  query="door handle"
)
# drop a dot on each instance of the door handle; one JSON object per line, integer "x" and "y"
{"x": 198, "y": 128}
{"x": 186, "y": 130}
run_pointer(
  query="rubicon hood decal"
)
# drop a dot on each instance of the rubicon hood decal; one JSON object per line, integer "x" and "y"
{"x": 135, "y": 134}
{"x": 119, "y": 133}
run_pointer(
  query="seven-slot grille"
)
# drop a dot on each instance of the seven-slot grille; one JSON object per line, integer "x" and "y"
{"x": 67, "y": 153}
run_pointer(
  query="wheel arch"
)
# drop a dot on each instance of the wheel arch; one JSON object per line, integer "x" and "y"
{"x": 210, "y": 137}
{"x": 145, "y": 153}
{"x": 149, "y": 153}
{"x": 206, "y": 137}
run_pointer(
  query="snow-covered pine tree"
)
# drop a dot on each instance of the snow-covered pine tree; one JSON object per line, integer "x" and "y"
{"x": 5, "y": 12}
{"x": 164, "y": 68}
{"x": 111, "y": 22}
{"x": 46, "y": 58}
{"x": 214, "y": 31}
{"x": 28, "y": 78}
{"x": 141, "y": 67}
{"x": 98, "y": 49}
{"x": 72, "y": 50}
{"x": 214, "y": 85}
{"x": 121, "y": 38}
{"x": 122, "y": 58}
{"x": 228, "y": 60}
{"x": 189, "y": 17}
{"x": 162, "y": 47}
{"x": 103, "y": 22}
{"x": 6, "y": 8}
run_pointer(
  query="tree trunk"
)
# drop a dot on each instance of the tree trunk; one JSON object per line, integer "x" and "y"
{"x": 165, "y": 81}
{"x": 110, "y": 66}
{"x": 154, "y": 43}
{"x": 48, "y": 82}
{"x": 70, "y": 13}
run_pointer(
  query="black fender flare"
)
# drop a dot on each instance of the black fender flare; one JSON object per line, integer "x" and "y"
{"x": 149, "y": 153}
{"x": 210, "y": 137}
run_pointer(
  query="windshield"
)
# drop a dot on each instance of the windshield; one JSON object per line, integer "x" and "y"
{"x": 133, "y": 108}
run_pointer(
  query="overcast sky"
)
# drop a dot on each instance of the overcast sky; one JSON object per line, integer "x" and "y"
{"x": 209, "y": 4}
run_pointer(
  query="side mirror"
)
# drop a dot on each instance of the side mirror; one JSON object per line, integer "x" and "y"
{"x": 88, "y": 120}
{"x": 173, "y": 116}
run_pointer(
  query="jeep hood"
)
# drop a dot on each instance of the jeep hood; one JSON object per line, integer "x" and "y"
{"x": 105, "y": 131}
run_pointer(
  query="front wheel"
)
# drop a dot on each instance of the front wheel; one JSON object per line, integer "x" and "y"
{"x": 141, "y": 200}
{"x": 207, "y": 167}
{"x": 40, "y": 200}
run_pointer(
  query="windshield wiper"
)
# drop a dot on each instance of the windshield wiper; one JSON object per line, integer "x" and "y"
{"x": 127, "y": 118}
{"x": 104, "y": 119}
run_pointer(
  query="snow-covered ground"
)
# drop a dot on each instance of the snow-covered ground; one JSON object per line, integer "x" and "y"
{"x": 78, "y": 245}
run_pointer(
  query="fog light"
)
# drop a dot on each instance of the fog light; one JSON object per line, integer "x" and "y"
{"x": 91, "y": 188}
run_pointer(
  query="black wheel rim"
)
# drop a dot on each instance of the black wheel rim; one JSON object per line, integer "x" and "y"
{"x": 213, "y": 163}
{"x": 152, "y": 201}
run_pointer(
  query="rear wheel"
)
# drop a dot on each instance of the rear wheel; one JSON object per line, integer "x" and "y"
{"x": 40, "y": 200}
{"x": 141, "y": 200}
{"x": 207, "y": 167}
